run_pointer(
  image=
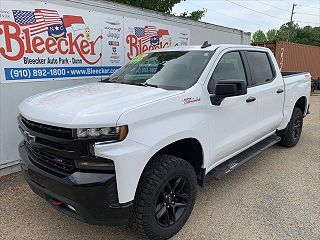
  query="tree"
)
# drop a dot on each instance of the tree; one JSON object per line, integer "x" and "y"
{"x": 308, "y": 35}
{"x": 259, "y": 36}
{"x": 271, "y": 34}
{"x": 156, "y": 5}
{"x": 283, "y": 32}
{"x": 305, "y": 35}
{"x": 164, "y": 6}
{"x": 195, "y": 15}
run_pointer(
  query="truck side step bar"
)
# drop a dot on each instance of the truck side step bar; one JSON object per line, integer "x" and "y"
{"x": 233, "y": 163}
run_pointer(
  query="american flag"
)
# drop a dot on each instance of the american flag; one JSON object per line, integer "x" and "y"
{"x": 145, "y": 33}
{"x": 38, "y": 20}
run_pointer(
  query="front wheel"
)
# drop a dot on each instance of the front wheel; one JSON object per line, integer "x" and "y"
{"x": 291, "y": 134}
{"x": 165, "y": 197}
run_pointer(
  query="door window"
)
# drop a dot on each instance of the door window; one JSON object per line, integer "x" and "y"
{"x": 230, "y": 67}
{"x": 260, "y": 67}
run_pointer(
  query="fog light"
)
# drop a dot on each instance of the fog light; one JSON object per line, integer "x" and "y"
{"x": 105, "y": 164}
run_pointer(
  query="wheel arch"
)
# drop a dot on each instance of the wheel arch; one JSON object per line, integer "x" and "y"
{"x": 301, "y": 103}
{"x": 189, "y": 149}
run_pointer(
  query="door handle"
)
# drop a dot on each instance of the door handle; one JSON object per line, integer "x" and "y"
{"x": 250, "y": 99}
{"x": 280, "y": 90}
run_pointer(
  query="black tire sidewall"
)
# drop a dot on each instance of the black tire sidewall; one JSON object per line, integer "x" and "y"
{"x": 152, "y": 228}
{"x": 298, "y": 115}
{"x": 179, "y": 224}
{"x": 286, "y": 135}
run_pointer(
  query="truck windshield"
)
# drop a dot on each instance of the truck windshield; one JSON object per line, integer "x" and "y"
{"x": 172, "y": 70}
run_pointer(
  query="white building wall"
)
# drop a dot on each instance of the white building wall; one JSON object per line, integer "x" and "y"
{"x": 11, "y": 94}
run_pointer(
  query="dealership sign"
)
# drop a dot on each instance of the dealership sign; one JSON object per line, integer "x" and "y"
{"x": 46, "y": 41}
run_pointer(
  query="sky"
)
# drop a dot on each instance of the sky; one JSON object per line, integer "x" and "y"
{"x": 251, "y": 15}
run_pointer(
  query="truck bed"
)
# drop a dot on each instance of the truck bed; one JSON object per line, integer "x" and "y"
{"x": 297, "y": 84}
{"x": 289, "y": 74}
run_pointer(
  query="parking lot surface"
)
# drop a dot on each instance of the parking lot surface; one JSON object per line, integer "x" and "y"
{"x": 276, "y": 195}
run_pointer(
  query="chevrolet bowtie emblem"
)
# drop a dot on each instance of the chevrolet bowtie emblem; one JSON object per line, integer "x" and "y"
{"x": 29, "y": 138}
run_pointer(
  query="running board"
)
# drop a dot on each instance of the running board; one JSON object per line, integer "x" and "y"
{"x": 233, "y": 163}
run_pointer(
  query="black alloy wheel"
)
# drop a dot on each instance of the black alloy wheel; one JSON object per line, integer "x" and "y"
{"x": 172, "y": 201}
{"x": 291, "y": 134}
{"x": 297, "y": 127}
{"x": 164, "y": 198}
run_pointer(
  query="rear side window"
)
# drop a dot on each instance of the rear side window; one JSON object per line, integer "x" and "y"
{"x": 230, "y": 67}
{"x": 260, "y": 67}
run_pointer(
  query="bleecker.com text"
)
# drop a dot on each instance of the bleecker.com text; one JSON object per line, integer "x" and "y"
{"x": 70, "y": 45}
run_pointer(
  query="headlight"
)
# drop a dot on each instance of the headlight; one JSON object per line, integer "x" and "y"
{"x": 105, "y": 134}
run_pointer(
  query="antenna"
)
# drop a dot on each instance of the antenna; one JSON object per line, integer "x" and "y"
{"x": 205, "y": 44}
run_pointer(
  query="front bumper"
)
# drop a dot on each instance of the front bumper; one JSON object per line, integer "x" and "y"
{"x": 87, "y": 196}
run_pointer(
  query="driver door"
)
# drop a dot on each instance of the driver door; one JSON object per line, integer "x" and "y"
{"x": 232, "y": 124}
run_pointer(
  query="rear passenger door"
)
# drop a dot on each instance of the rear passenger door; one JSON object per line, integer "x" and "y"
{"x": 269, "y": 90}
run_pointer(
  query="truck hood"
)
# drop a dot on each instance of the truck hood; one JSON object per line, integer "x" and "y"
{"x": 89, "y": 105}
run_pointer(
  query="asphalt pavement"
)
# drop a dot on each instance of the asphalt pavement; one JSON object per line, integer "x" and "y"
{"x": 276, "y": 195}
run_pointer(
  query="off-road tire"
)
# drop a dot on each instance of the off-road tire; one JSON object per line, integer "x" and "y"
{"x": 154, "y": 180}
{"x": 291, "y": 134}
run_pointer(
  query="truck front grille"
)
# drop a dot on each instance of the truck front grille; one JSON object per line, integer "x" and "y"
{"x": 49, "y": 160}
{"x": 54, "y": 131}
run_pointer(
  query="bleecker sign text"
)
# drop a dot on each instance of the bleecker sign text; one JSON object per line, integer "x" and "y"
{"x": 136, "y": 46}
{"x": 36, "y": 44}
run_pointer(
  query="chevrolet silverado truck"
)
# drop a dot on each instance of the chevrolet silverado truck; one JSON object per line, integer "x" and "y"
{"x": 132, "y": 148}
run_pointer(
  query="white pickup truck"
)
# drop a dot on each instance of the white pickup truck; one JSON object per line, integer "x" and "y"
{"x": 133, "y": 147}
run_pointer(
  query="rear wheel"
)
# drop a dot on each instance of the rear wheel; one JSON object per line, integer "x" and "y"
{"x": 291, "y": 134}
{"x": 165, "y": 197}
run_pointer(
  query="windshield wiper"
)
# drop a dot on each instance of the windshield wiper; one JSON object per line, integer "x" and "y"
{"x": 107, "y": 80}
{"x": 141, "y": 84}
{"x": 133, "y": 83}
{"x": 150, "y": 85}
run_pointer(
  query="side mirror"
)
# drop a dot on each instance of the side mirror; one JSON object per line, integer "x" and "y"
{"x": 228, "y": 88}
